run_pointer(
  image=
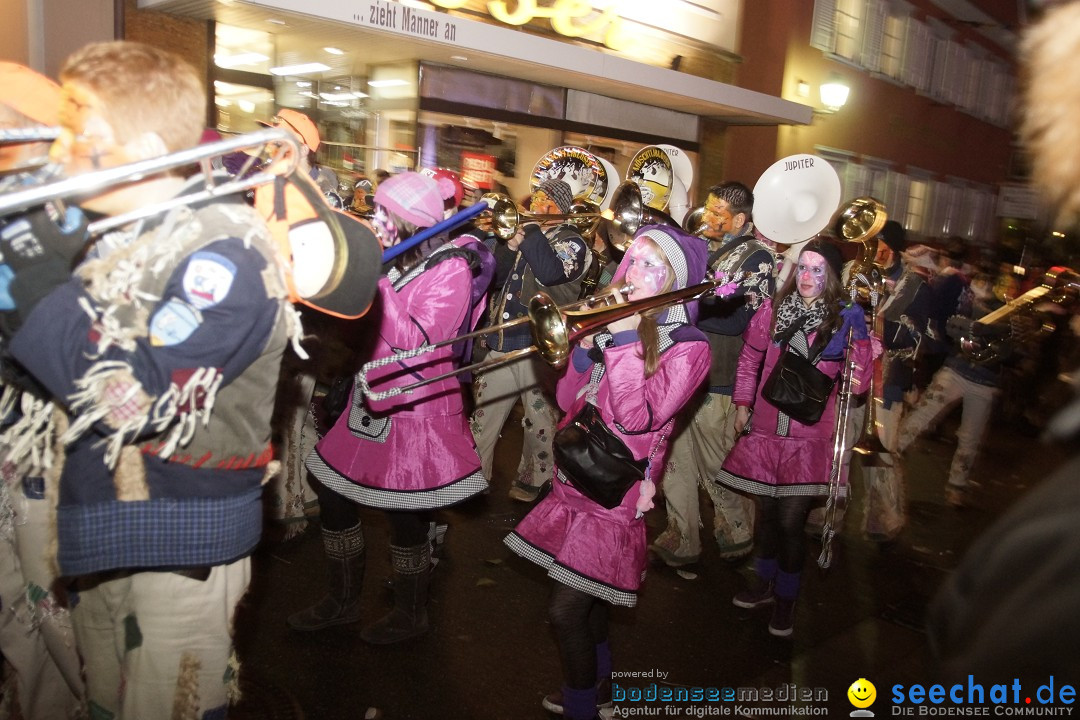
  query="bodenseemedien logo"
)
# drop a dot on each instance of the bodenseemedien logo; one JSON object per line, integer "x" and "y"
{"x": 862, "y": 694}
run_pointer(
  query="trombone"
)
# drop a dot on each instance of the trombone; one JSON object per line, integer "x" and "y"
{"x": 282, "y": 145}
{"x": 553, "y": 327}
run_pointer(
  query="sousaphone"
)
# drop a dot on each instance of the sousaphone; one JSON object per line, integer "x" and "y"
{"x": 795, "y": 198}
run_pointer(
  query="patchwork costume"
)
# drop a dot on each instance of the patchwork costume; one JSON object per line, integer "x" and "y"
{"x": 707, "y": 430}
{"x": 554, "y": 263}
{"x": 166, "y": 355}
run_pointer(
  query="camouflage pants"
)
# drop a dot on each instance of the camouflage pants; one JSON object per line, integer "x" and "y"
{"x": 496, "y": 392}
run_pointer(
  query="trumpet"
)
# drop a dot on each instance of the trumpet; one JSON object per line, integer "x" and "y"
{"x": 553, "y": 327}
{"x": 283, "y": 147}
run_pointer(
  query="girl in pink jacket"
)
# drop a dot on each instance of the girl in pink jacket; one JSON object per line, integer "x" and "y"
{"x": 638, "y": 373}
{"x": 782, "y": 462}
{"x": 413, "y": 452}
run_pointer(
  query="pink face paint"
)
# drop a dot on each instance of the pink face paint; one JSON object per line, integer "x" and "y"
{"x": 385, "y": 229}
{"x": 810, "y": 275}
{"x": 646, "y": 270}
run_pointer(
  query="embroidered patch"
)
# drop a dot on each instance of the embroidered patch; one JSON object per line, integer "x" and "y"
{"x": 174, "y": 323}
{"x": 567, "y": 252}
{"x": 208, "y": 278}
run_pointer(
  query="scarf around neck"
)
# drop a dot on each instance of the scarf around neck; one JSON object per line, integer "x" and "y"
{"x": 793, "y": 312}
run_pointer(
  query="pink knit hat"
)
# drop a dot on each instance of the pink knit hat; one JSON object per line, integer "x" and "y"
{"x": 412, "y": 197}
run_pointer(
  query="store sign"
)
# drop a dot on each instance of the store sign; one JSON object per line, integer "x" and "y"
{"x": 478, "y": 168}
{"x": 712, "y": 22}
{"x": 569, "y": 18}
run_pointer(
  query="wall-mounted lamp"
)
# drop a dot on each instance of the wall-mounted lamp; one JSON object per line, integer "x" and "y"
{"x": 834, "y": 94}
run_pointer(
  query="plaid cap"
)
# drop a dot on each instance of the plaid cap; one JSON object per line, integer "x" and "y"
{"x": 559, "y": 191}
{"x": 412, "y": 197}
{"x": 34, "y": 95}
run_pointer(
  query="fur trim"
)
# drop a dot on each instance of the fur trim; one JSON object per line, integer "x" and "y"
{"x": 1052, "y": 100}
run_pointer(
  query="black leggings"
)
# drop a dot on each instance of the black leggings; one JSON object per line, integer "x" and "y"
{"x": 780, "y": 529}
{"x": 580, "y": 622}
{"x": 339, "y": 513}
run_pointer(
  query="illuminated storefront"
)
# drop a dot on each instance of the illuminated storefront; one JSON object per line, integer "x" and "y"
{"x": 483, "y": 86}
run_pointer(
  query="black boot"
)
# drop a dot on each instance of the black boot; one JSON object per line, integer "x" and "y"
{"x": 345, "y": 554}
{"x": 412, "y": 567}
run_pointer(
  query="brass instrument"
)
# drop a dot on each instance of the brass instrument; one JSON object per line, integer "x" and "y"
{"x": 843, "y": 411}
{"x": 987, "y": 339}
{"x": 694, "y": 222}
{"x": 628, "y": 213}
{"x": 282, "y": 144}
{"x": 553, "y": 329}
{"x": 506, "y": 218}
{"x": 860, "y": 221}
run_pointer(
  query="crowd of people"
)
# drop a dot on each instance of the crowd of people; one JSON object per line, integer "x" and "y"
{"x": 140, "y": 374}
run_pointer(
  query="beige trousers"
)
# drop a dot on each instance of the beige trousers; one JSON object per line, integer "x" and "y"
{"x": 159, "y": 645}
{"x": 697, "y": 452}
{"x": 496, "y": 392}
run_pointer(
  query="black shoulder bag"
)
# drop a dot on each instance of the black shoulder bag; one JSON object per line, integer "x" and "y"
{"x": 796, "y": 387}
{"x": 595, "y": 460}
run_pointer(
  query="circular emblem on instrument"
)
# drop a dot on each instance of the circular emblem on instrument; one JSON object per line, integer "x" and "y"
{"x": 650, "y": 169}
{"x": 575, "y": 166}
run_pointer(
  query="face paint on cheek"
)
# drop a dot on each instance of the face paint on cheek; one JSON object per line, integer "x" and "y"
{"x": 385, "y": 229}
{"x": 648, "y": 272}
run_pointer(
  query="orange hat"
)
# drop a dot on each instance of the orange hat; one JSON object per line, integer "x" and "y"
{"x": 299, "y": 123}
{"x": 32, "y": 94}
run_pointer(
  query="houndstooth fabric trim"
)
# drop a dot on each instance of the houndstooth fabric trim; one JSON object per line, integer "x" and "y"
{"x": 457, "y": 491}
{"x": 566, "y": 576}
{"x": 344, "y": 544}
{"x": 755, "y": 487}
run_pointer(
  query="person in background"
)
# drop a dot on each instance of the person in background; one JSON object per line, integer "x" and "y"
{"x": 406, "y": 454}
{"x": 965, "y": 379}
{"x": 303, "y": 128}
{"x": 638, "y": 373}
{"x": 165, "y": 355}
{"x": 785, "y": 463}
{"x": 35, "y": 626}
{"x": 708, "y": 426}
{"x": 903, "y": 316}
{"x": 553, "y": 261}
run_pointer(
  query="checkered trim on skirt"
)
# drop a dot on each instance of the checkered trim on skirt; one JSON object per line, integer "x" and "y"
{"x": 569, "y": 577}
{"x": 755, "y": 487}
{"x": 450, "y": 494}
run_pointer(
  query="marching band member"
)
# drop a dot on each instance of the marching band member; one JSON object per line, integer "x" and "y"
{"x": 411, "y": 453}
{"x": 638, "y": 374}
{"x": 554, "y": 261}
{"x": 785, "y": 463}
{"x": 165, "y": 354}
{"x": 903, "y": 316}
{"x": 699, "y": 449}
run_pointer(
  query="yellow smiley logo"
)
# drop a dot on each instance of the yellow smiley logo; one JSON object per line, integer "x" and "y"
{"x": 862, "y": 693}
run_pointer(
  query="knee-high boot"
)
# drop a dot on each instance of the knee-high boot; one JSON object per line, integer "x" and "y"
{"x": 412, "y": 567}
{"x": 341, "y": 605}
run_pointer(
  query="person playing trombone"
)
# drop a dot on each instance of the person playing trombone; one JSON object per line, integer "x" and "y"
{"x": 165, "y": 355}
{"x": 782, "y": 462}
{"x": 411, "y": 453}
{"x": 637, "y": 374}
